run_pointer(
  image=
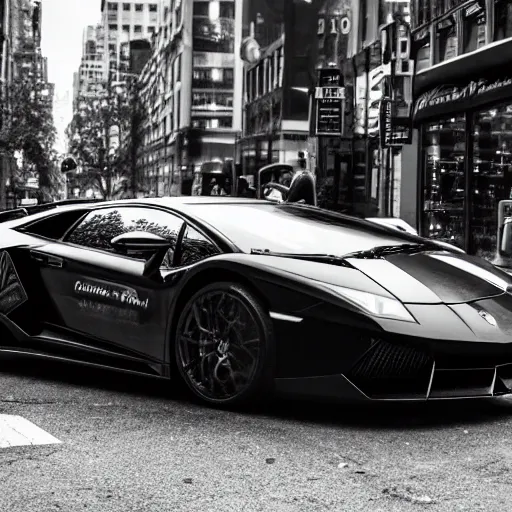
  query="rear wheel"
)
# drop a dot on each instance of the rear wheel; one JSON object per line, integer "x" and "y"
{"x": 224, "y": 345}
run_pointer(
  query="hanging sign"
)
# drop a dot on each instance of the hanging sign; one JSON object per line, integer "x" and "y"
{"x": 394, "y": 131}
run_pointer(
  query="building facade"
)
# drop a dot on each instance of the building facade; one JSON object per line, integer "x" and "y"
{"x": 21, "y": 59}
{"x": 91, "y": 76}
{"x": 125, "y": 21}
{"x": 463, "y": 117}
{"x": 192, "y": 92}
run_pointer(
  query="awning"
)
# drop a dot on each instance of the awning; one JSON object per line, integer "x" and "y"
{"x": 450, "y": 99}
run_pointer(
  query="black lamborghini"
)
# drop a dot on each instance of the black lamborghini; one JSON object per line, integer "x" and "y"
{"x": 238, "y": 298}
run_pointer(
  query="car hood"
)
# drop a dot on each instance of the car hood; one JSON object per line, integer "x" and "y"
{"x": 435, "y": 277}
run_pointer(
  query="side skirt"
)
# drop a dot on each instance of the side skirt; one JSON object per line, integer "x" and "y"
{"x": 61, "y": 347}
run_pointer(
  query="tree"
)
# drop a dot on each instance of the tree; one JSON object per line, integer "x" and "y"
{"x": 28, "y": 128}
{"x": 96, "y": 134}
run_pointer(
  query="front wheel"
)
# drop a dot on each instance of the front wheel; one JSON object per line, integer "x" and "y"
{"x": 224, "y": 345}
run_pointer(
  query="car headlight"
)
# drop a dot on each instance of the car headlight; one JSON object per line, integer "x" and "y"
{"x": 376, "y": 305}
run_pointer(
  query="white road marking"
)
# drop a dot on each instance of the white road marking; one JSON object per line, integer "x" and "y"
{"x": 17, "y": 431}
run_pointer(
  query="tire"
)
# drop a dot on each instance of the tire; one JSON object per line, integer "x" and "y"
{"x": 223, "y": 361}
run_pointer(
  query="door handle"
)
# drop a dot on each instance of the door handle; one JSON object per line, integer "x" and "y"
{"x": 47, "y": 259}
{"x": 55, "y": 261}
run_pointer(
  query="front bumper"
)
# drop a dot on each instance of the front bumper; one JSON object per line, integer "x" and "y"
{"x": 390, "y": 371}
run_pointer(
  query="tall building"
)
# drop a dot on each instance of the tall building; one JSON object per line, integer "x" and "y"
{"x": 22, "y": 60}
{"x": 92, "y": 69}
{"x": 125, "y": 21}
{"x": 192, "y": 89}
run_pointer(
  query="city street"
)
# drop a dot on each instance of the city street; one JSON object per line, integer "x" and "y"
{"x": 128, "y": 444}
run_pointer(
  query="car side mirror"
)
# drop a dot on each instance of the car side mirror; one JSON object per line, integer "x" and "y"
{"x": 303, "y": 189}
{"x": 506, "y": 237}
{"x": 140, "y": 241}
{"x": 143, "y": 242}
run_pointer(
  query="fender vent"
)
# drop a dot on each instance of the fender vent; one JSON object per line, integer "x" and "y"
{"x": 392, "y": 371}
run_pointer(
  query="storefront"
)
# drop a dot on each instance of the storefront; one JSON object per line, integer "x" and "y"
{"x": 465, "y": 161}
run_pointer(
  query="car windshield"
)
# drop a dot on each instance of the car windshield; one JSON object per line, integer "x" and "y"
{"x": 296, "y": 229}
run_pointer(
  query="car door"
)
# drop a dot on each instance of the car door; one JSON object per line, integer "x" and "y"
{"x": 102, "y": 294}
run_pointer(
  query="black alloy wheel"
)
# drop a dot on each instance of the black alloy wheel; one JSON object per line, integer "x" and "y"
{"x": 224, "y": 346}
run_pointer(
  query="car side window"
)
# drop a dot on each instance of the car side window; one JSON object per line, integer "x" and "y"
{"x": 195, "y": 247}
{"x": 99, "y": 227}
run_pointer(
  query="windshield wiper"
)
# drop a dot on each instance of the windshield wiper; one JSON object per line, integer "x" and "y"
{"x": 387, "y": 250}
{"x": 317, "y": 258}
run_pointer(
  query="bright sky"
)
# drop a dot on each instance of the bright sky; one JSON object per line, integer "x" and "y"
{"x": 63, "y": 23}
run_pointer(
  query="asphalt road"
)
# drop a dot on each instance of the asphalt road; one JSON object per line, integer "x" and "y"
{"x": 130, "y": 444}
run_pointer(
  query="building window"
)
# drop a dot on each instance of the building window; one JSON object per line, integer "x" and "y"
{"x": 151, "y": 30}
{"x": 227, "y": 10}
{"x": 502, "y": 20}
{"x": 139, "y": 7}
{"x": 212, "y": 35}
{"x": 112, "y": 27}
{"x": 126, "y": 7}
{"x": 208, "y": 123}
{"x": 212, "y": 78}
{"x": 153, "y": 8}
{"x": 126, "y": 28}
{"x": 447, "y": 40}
{"x": 201, "y": 8}
{"x": 423, "y": 12}
{"x": 473, "y": 28}
{"x": 444, "y": 180}
{"x": 137, "y": 29}
{"x": 212, "y": 100}
{"x": 112, "y": 6}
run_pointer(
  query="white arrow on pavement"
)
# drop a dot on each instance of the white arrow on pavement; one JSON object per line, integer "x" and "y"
{"x": 17, "y": 431}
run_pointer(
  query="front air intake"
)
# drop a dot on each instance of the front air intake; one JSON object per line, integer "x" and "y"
{"x": 390, "y": 370}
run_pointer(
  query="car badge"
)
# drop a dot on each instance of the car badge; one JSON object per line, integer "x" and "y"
{"x": 488, "y": 318}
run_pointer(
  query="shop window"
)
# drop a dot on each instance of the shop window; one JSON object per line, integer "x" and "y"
{"x": 502, "y": 19}
{"x": 492, "y": 175}
{"x": 444, "y": 150}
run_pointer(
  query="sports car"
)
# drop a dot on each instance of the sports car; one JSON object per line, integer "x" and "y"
{"x": 238, "y": 298}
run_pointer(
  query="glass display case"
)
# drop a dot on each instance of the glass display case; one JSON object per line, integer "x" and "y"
{"x": 444, "y": 149}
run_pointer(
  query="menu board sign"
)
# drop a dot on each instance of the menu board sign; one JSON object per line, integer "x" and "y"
{"x": 329, "y": 103}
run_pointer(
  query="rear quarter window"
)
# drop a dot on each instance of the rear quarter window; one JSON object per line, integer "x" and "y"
{"x": 55, "y": 226}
